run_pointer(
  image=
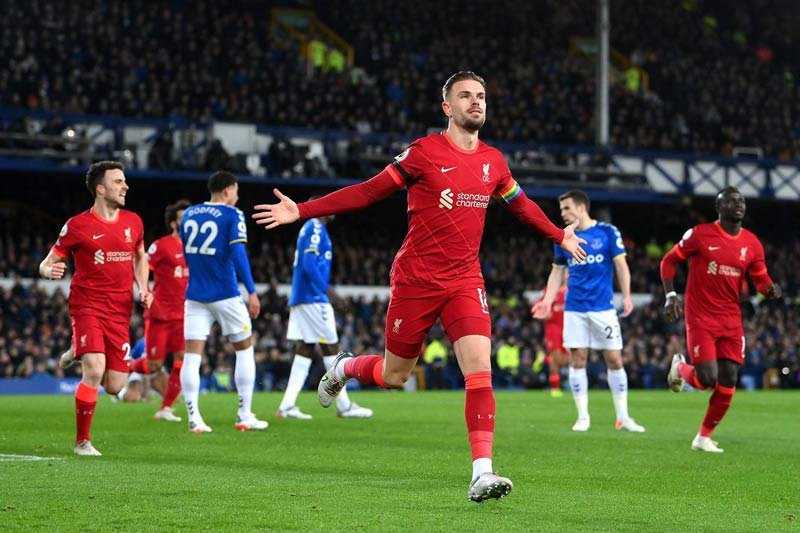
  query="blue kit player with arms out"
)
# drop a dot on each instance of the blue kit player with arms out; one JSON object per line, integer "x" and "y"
{"x": 214, "y": 237}
{"x": 590, "y": 320}
{"x": 311, "y": 319}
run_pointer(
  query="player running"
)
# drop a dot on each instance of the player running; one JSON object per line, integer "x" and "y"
{"x": 719, "y": 255}
{"x": 590, "y": 320}
{"x": 163, "y": 322}
{"x": 106, "y": 244}
{"x": 214, "y": 236}
{"x": 311, "y": 319}
{"x": 451, "y": 178}
{"x": 557, "y": 355}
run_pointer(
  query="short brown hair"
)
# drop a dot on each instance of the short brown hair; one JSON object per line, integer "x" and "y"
{"x": 171, "y": 212}
{"x": 578, "y": 196}
{"x": 460, "y": 76}
{"x": 97, "y": 172}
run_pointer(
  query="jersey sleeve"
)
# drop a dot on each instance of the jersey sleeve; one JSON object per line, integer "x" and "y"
{"x": 615, "y": 243}
{"x": 139, "y": 232}
{"x": 237, "y": 230}
{"x": 68, "y": 240}
{"x": 153, "y": 255}
{"x": 689, "y": 244}
{"x": 560, "y": 256}
{"x": 507, "y": 188}
{"x": 409, "y": 165}
{"x": 757, "y": 267}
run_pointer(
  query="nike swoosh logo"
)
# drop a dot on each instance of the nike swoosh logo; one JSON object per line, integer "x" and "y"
{"x": 446, "y": 170}
{"x": 712, "y": 248}
{"x": 178, "y": 256}
{"x": 95, "y": 237}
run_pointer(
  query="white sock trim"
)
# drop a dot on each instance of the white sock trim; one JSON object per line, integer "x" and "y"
{"x": 618, "y": 383}
{"x": 481, "y": 466}
{"x": 579, "y": 384}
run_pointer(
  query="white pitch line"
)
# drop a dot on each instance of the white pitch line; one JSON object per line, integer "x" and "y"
{"x": 9, "y": 457}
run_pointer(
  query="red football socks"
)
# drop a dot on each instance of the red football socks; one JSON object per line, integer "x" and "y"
{"x": 173, "y": 384}
{"x": 479, "y": 411}
{"x": 139, "y": 365}
{"x": 85, "y": 402}
{"x": 555, "y": 381}
{"x": 718, "y": 405}
{"x": 367, "y": 369}
{"x": 688, "y": 373}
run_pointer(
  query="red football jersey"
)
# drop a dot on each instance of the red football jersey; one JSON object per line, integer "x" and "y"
{"x": 449, "y": 190}
{"x": 717, "y": 264}
{"x": 103, "y": 252}
{"x": 170, "y": 276}
{"x": 554, "y": 326}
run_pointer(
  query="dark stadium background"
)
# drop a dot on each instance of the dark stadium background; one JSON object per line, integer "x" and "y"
{"x": 708, "y": 82}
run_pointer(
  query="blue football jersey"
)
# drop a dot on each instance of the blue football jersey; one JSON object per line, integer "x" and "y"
{"x": 209, "y": 231}
{"x": 312, "y": 264}
{"x": 590, "y": 286}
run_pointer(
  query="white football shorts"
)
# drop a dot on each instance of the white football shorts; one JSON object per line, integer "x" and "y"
{"x": 596, "y": 330}
{"x": 312, "y": 323}
{"x": 230, "y": 313}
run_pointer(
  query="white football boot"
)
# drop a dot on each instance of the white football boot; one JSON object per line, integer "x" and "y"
{"x": 629, "y": 424}
{"x": 166, "y": 413}
{"x": 67, "y": 359}
{"x": 674, "y": 379}
{"x": 705, "y": 444}
{"x": 330, "y": 386}
{"x": 249, "y": 422}
{"x": 86, "y": 449}
{"x": 582, "y": 424}
{"x": 489, "y": 485}
{"x": 354, "y": 411}
{"x": 293, "y": 412}
{"x": 199, "y": 427}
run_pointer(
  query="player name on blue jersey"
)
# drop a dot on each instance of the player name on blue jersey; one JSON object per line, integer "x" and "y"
{"x": 208, "y": 232}
{"x": 590, "y": 286}
{"x": 312, "y": 264}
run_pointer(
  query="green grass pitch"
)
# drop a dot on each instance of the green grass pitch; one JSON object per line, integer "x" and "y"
{"x": 406, "y": 469}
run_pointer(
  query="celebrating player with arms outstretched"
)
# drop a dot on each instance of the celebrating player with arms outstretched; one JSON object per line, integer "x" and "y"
{"x": 719, "y": 255}
{"x": 451, "y": 178}
{"x": 163, "y": 329}
{"x": 214, "y": 236}
{"x": 106, "y": 244}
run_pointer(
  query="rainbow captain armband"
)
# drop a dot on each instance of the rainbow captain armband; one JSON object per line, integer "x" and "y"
{"x": 510, "y": 192}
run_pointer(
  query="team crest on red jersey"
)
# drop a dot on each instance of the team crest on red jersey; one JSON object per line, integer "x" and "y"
{"x": 128, "y": 237}
{"x": 743, "y": 254}
{"x": 486, "y": 177}
{"x": 397, "y": 322}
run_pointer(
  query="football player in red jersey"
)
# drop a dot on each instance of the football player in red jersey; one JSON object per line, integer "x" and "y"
{"x": 107, "y": 247}
{"x": 451, "y": 177}
{"x": 163, "y": 329}
{"x": 719, "y": 255}
{"x": 557, "y": 355}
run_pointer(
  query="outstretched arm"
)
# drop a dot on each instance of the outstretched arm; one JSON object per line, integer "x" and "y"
{"x": 142, "y": 275}
{"x": 351, "y": 198}
{"x": 529, "y": 212}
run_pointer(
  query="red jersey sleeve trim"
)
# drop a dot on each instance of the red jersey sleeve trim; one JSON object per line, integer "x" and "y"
{"x": 58, "y": 251}
{"x": 680, "y": 253}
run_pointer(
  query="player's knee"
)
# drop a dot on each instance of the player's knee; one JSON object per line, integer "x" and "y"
{"x": 154, "y": 365}
{"x": 707, "y": 376}
{"x": 112, "y": 388}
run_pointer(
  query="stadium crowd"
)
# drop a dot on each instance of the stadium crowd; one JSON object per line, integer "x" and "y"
{"x": 717, "y": 76}
{"x": 34, "y": 327}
